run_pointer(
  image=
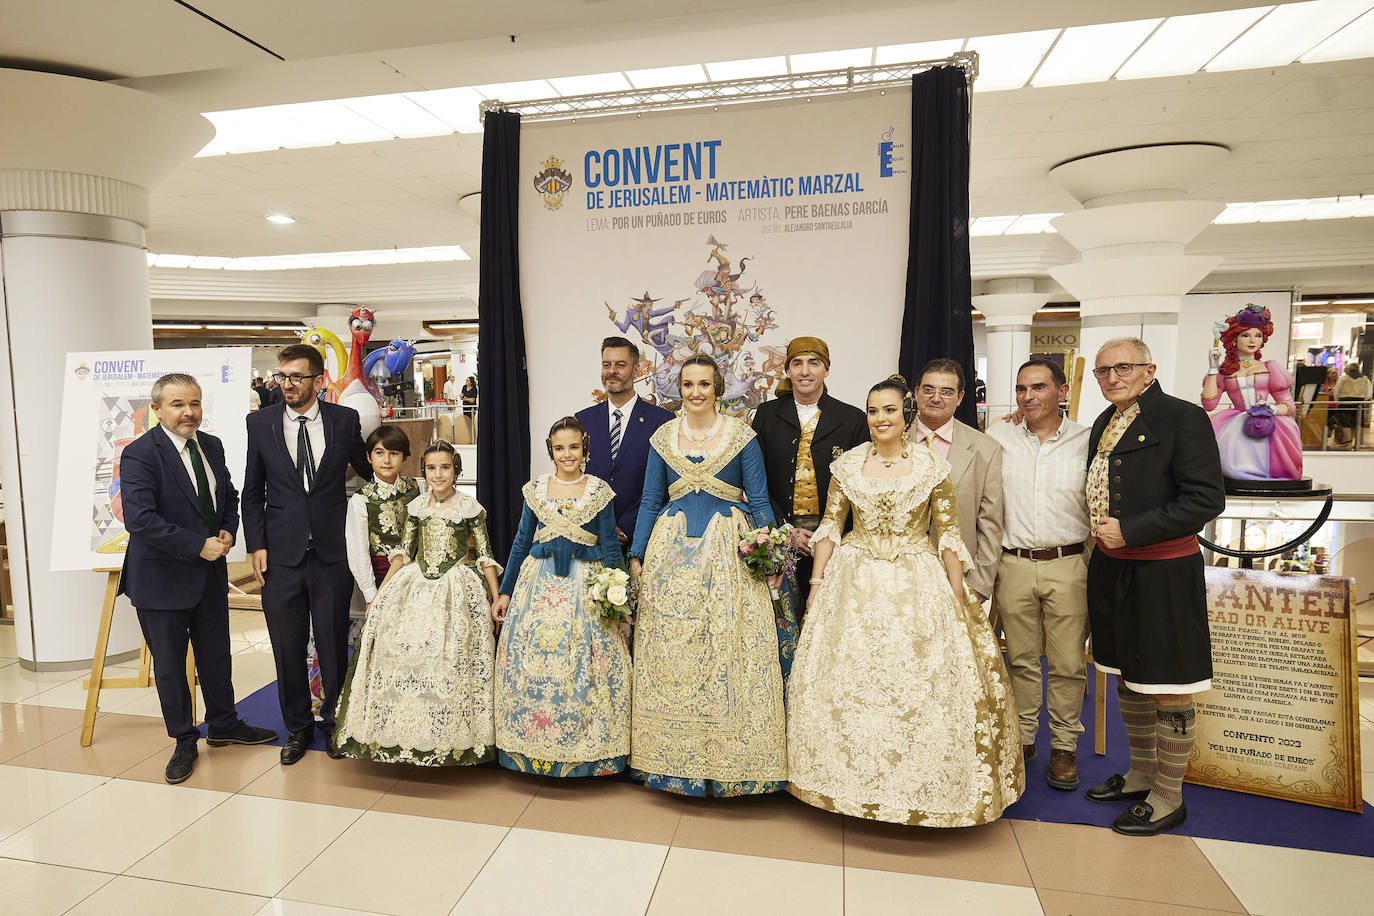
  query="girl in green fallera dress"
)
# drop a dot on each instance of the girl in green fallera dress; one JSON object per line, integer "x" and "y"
{"x": 419, "y": 689}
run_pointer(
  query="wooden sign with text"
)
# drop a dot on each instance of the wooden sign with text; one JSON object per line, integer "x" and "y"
{"x": 1282, "y": 717}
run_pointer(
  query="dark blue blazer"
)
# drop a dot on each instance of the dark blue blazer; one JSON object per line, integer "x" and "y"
{"x": 626, "y": 475}
{"x": 163, "y": 569}
{"x": 278, "y": 515}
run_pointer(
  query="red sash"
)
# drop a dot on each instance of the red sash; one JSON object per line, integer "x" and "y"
{"x": 1171, "y": 549}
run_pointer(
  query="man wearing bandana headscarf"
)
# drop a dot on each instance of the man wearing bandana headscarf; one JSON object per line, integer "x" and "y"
{"x": 801, "y": 431}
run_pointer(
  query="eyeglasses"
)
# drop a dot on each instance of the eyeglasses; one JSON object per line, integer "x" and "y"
{"x": 293, "y": 380}
{"x": 930, "y": 391}
{"x": 1122, "y": 370}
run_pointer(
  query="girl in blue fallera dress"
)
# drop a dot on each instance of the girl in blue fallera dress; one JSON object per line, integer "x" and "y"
{"x": 562, "y": 672}
{"x": 708, "y": 712}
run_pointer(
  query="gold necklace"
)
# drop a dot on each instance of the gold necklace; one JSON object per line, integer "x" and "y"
{"x": 1246, "y": 363}
{"x": 889, "y": 462}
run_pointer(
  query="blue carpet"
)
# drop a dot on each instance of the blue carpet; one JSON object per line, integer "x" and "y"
{"x": 1216, "y": 814}
{"x": 1212, "y": 813}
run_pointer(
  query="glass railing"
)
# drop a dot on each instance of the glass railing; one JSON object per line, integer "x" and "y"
{"x": 1343, "y": 425}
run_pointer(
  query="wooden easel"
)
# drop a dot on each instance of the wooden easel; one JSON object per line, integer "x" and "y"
{"x": 97, "y": 681}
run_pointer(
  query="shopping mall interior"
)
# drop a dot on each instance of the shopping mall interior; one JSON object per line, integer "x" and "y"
{"x": 278, "y": 167}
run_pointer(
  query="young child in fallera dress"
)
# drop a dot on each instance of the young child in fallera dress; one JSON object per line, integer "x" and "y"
{"x": 562, "y": 672}
{"x": 419, "y": 689}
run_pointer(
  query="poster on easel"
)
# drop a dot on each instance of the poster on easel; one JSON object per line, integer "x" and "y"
{"x": 106, "y": 404}
{"x": 1282, "y": 718}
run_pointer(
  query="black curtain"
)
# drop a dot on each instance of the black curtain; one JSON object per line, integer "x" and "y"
{"x": 938, "y": 321}
{"x": 503, "y": 409}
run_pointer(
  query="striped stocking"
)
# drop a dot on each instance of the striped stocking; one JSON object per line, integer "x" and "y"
{"x": 1138, "y": 715}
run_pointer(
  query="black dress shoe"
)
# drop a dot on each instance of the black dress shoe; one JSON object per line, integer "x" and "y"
{"x": 242, "y": 733}
{"x": 296, "y": 746}
{"x": 1111, "y": 791}
{"x": 1135, "y": 820}
{"x": 329, "y": 747}
{"x": 182, "y": 763}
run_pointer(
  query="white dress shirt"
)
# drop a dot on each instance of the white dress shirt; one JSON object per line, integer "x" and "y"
{"x": 314, "y": 428}
{"x": 1044, "y": 485}
{"x": 625, "y": 412}
{"x": 806, "y": 411}
{"x": 179, "y": 443}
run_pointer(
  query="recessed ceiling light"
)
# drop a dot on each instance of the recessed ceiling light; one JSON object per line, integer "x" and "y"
{"x": 921, "y": 50}
{"x": 281, "y": 218}
{"x": 831, "y": 60}
{"x": 667, "y": 76}
{"x": 1184, "y": 43}
{"x": 1354, "y": 41}
{"x": 1007, "y": 61}
{"x": 1092, "y": 53}
{"x": 746, "y": 69}
{"x": 1287, "y": 33}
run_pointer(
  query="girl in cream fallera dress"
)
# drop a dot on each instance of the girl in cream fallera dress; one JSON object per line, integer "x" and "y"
{"x": 899, "y": 706}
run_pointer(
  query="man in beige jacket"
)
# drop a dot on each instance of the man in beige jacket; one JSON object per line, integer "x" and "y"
{"x": 975, "y": 467}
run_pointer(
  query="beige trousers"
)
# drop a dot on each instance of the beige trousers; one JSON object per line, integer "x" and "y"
{"x": 1043, "y": 603}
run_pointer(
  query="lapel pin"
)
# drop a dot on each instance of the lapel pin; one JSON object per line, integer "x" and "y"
{"x": 1140, "y": 438}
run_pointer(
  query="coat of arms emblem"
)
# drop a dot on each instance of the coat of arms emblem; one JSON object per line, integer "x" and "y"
{"x": 553, "y": 182}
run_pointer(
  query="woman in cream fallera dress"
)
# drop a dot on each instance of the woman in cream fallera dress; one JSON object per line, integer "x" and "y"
{"x": 899, "y": 707}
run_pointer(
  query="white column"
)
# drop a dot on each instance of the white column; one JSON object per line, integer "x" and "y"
{"x": 1131, "y": 232}
{"x": 1008, "y": 308}
{"x": 77, "y": 158}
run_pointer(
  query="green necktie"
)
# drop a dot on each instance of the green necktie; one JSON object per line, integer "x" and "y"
{"x": 207, "y": 505}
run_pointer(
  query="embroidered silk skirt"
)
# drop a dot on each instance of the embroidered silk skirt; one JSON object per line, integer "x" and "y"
{"x": 899, "y": 706}
{"x": 562, "y": 678}
{"x": 708, "y": 703}
{"x": 419, "y": 688}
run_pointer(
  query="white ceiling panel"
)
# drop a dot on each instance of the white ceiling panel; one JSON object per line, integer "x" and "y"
{"x": 131, "y": 38}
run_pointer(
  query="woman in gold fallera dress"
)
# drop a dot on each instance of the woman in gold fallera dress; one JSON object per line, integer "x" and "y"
{"x": 899, "y": 706}
{"x": 707, "y": 716}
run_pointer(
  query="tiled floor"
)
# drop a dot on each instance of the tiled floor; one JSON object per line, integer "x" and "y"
{"x": 96, "y": 831}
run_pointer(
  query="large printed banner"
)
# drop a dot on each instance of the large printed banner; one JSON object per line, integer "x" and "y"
{"x": 727, "y": 232}
{"x": 106, "y": 404}
{"x": 1282, "y": 718}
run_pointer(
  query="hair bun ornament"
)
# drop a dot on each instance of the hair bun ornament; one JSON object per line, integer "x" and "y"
{"x": 898, "y": 377}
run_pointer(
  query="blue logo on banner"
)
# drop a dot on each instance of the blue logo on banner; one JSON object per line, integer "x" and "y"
{"x": 885, "y": 148}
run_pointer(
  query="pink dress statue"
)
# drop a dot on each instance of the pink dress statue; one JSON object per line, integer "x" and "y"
{"x": 1245, "y": 456}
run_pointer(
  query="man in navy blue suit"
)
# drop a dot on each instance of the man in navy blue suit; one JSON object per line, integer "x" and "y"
{"x": 181, "y": 512}
{"x": 619, "y": 430}
{"x": 294, "y": 506}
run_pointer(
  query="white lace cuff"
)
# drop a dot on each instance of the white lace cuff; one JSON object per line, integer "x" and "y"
{"x": 951, "y": 540}
{"x": 827, "y": 530}
{"x": 488, "y": 561}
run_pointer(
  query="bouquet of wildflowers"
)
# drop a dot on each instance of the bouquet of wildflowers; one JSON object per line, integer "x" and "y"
{"x": 611, "y": 595}
{"x": 768, "y": 552}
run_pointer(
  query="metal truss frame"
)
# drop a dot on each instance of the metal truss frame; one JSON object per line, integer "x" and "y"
{"x": 731, "y": 92}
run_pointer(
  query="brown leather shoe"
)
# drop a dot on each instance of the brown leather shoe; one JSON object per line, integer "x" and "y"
{"x": 1063, "y": 772}
{"x": 1027, "y": 753}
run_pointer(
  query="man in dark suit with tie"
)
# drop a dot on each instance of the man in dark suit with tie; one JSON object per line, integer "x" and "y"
{"x": 294, "y": 507}
{"x": 181, "y": 512}
{"x": 619, "y": 430}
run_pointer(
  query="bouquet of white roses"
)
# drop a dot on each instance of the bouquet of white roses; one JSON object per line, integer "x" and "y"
{"x": 611, "y": 595}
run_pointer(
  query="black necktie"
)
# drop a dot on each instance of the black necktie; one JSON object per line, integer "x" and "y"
{"x": 305, "y": 461}
{"x": 207, "y": 504}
